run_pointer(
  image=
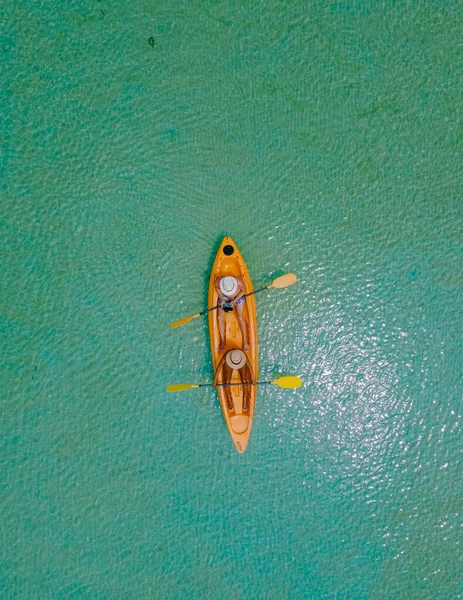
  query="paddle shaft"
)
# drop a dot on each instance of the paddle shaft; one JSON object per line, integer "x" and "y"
{"x": 245, "y": 296}
{"x": 285, "y": 382}
{"x": 229, "y": 384}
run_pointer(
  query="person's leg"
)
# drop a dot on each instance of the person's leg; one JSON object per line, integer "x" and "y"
{"x": 227, "y": 375}
{"x": 246, "y": 388}
{"x": 239, "y": 308}
{"x": 221, "y": 322}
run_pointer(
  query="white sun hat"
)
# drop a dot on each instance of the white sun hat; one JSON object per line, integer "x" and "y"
{"x": 235, "y": 359}
{"x": 228, "y": 286}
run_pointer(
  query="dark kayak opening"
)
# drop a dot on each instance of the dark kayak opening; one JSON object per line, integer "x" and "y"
{"x": 228, "y": 250}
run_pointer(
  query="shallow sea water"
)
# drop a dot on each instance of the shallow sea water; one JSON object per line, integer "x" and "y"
{"x": 325, "y": 138}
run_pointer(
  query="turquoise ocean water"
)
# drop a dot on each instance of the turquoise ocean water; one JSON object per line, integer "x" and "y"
{"x": 325, "y": 138}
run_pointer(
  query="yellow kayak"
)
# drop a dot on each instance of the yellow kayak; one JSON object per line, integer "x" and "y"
{"x": 229, "y": 262}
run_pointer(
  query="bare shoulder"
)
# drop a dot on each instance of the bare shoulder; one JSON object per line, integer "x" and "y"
{"x": 240, "y": 283}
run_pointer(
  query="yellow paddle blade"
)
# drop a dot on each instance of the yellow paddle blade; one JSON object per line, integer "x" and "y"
{"x": 183, "y": 321}
{"x": 284, "y": 281}
{"x": 288, "y": 381}
{"x": 180, "y": 387}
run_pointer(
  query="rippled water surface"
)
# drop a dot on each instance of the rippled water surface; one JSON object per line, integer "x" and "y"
{"x": 325, "y": 138}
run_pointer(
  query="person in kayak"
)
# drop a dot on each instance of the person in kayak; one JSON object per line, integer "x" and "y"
{"x": 231, "y": 293}
{"x": 235, "y": 360}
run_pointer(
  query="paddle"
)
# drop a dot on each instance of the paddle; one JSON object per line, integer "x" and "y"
{"x": 286, "y": 382}
{"x": 280, "y": 282}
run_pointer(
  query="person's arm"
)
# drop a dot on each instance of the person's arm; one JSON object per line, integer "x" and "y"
{"x": 251, "y": 372}
{"x": 219, "y": 367}
{"x": 241, "y": 293}
{"x": 217, "y": 288}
